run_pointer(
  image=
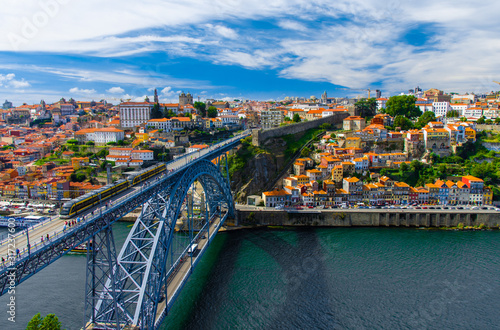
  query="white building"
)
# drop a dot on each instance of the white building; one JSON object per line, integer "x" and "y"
{"x": 441, "y": 108}
{"x": 120, "y": 151}
{"x": 473, "y": 112}
{"x": 134, "y": 113}
{"x": 163, "y": 123}
{"x": 144, "y": 155}
{"x": 229, "y": 119}
{"x": 381, "y": 102}
{"x": 460, "y": 107}
{"x": 196, "y": 147}
{"x": 108, "y": 134}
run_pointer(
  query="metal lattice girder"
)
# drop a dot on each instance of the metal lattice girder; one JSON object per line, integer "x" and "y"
{"x": 142, "y": 262}
{"x": 101, "y": 308}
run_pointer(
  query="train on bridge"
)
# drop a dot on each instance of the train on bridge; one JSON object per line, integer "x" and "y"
{"x": 90, "y": 199}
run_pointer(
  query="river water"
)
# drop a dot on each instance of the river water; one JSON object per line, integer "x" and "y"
{"x": 323, "y": 278}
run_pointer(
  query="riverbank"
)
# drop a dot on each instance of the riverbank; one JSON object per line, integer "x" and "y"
{"x": 370, "y": 218}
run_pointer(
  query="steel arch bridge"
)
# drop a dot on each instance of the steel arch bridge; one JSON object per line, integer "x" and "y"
{"x": 138, "y": 287}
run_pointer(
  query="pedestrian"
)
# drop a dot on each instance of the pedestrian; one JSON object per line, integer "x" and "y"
{"x": 42, "y": 238}
{"x": 17, "y": 251}
{"x": 47, "y": 237}
{"x": 64, "y": 228}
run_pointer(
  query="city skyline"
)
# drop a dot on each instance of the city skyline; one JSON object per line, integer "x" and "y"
{"x": 253, "y": 50}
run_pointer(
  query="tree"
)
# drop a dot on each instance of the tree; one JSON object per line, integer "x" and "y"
{"x": 305, "y": 152}
{"x": 452, "y": 114}
{"x": 325, "y": 126}
{"x": 90, "y": 143}
{"x": 481, "y": 120}
{"x": 287, "y": 119}
{"x": 403, "y": 122}
{"x": 424, "y": 119}
{"x": 72, "y": 141}
{"x": 403, "y": 168}
{"x": 497, "y": 120}
{"x": 488, "y": 122}
{"x": 463, "y": 119}
{"x": 201, "y": 108}
{"x": 35, "y": 323}
{"x": 402, "y": 105}
{"x": 296, "y": 118}
{"x": 366, "y": 107}
{"x": 212, "y": 112}
{"x": 156, "y": 112}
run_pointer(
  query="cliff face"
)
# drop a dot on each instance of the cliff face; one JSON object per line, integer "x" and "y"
{"x": 252, "y": 179}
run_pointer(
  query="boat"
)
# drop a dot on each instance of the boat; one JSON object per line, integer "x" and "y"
{"x": 80, "y": 249}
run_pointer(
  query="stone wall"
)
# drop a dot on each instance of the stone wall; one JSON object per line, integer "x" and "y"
{"x": 259, "y": 136}
{"x": 367, "y": 219}
{"x": 488, "y": 127}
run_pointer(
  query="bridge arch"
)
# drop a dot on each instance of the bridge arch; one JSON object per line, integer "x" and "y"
{"x": 153, "y": 252}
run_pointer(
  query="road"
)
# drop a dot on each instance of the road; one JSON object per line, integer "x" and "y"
{"x": 184, "y": 270}
{"x": 357, "y": 210}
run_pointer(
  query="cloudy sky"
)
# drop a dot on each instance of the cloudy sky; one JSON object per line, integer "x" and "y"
{"x": 225, "y": 49}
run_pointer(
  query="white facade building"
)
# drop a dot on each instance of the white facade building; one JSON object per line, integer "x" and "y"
{"x": 134, "y": 113}
{"x": 108, "y": 134}
{"x": 163, "y": 123}
{"x": 441, "y": 108}
{"x": 144, "y": 155}
{"x": 460, "y": 107}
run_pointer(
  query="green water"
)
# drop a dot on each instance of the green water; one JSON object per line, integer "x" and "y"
{"x": 317, "y": 278}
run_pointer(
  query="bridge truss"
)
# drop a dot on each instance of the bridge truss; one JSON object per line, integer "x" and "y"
{"x": 132, "y": 288}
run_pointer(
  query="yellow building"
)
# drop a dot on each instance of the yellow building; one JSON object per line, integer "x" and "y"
{"x": 143, "y": 137}
{"x": 353, "y": 142}
{"x": 487, "y": 196}
{"x": 470, "y": 134}
{"x": 79, "y": 162}
{"x": 337, "y": 173}
{"x": 302, "y": 179}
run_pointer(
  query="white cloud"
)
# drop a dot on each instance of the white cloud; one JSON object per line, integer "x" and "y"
{"x": 354, "y": 43}
{"x": 9, "y": 81}
{"x": 116, "y": 90}
{"x": 292, "y": 25}
{"x": 224, "y": 31}
{"x": 77, "y": 90}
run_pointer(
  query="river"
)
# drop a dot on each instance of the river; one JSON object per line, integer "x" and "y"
{"x": 328, "y": 278}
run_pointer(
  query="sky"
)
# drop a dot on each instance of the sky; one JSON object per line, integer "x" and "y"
{"x": 252, "y": 49}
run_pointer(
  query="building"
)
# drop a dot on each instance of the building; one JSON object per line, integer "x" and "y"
{"x": 162, "y": 123}
{"x": 144, "y": 155}
{"x": 185, "y": 99}
{"x": 271, "y": 118}
{"x": 354, "y": 123}
{"x": 134, "y": 113}
{"x": 276, "y": 198}
{"x": 108, "y": 134}
{"x": 476, "y": 187}
{"x": 435, "y": 95}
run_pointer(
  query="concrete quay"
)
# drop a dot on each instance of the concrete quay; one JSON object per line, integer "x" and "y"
{"x": 256, "y": 216}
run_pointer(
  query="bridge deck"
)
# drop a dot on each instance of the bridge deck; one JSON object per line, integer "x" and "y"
{"x": 184, "y": 270}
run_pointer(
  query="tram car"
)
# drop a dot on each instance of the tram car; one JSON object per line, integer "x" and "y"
{"x": 84, "y": 202}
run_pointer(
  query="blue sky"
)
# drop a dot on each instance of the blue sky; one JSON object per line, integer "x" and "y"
{"x": 230, "y": 49}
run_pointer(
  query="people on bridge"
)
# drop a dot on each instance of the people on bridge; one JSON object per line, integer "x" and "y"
{"x": 47, "y": 237}
{"x": 42, "y": 238}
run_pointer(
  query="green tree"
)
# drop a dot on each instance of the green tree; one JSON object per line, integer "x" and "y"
{"x": 305, "y": 152}
{"x": 102, "y": 153}
{"x": 403, "y": 122}
{"x": 287, "y": 119}
{"x": 424, "y": 119}
{"x": 366, "y": 107}
{"x": 497, "y": 120}
{"x": 201, "y": 108}
{"x": 212, "y": 112}
{"x": 50, "y": 322}
{"x": 325, "y": 126}
{"x": 463, "y": 119}
{"x": 72, "y": 141}
{"x": 296, "y": 118}
{"x": 156, "y": 112}
{"x": 90, "y": 143}
{"x": 402, "y": 105}
{"x": 481, "y": 120}
{"x": 78, "y": 177}
{"x": 403, "y": 168}
{"x": 35, "y": 323}
{"x": 488, "y": 122}
{"x": 452, "y": 114}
